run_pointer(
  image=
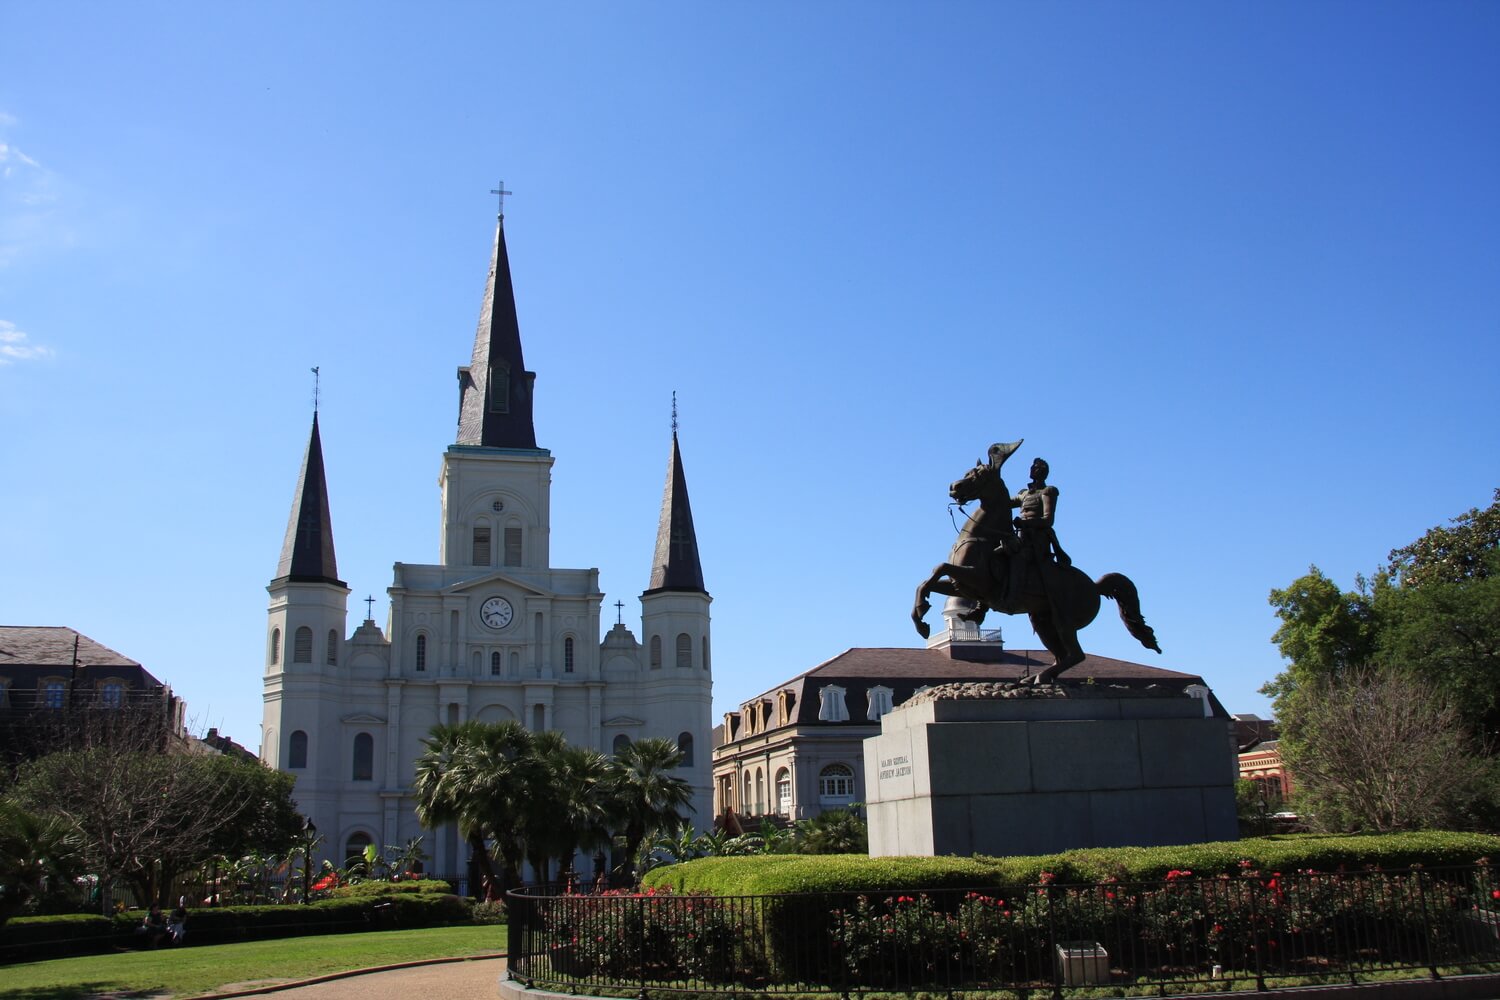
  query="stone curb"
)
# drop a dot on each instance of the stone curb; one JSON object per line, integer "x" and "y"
{"x": 332, "y": 976}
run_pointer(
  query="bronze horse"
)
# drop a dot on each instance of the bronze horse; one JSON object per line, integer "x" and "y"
{"x": 978, "y": 570}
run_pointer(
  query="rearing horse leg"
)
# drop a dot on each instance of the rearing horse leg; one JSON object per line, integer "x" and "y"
{"x": 950, "y": 579}
{"x": 1061, "y": 642}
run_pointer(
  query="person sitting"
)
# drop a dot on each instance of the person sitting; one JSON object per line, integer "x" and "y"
{"x": 153, "y": 929}
{"x": 177, "y": 922}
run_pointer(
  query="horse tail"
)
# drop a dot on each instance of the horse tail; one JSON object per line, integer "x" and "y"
{"x": 1117, "y": 587}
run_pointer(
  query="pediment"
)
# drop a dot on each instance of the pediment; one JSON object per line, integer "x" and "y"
{"x": 362, "y": 719}
{"x": 624, "y": 720}
{"x": 490, "y": 580}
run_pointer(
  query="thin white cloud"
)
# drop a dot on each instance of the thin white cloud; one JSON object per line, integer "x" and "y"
{"x": 6, "y": 119}
{"x": 14, "y": 346}
{"x": 29, "y": 204}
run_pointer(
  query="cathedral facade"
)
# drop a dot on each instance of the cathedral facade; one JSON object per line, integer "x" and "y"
{"x": 490, "y": 631}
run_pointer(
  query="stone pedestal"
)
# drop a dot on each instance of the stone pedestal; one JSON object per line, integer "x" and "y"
{"x": 1037, "y": 775}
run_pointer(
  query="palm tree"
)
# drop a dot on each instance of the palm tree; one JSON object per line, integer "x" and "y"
{"x": 465, "y": 775}
{"x": 581, "y": 782}
{"x": 646, "y": 797}
{"x": 33, "y": 847}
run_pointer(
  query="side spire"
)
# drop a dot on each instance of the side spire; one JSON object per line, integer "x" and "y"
{"x": 675, "y": 565}
{"x": 494, "y": 409}
{"x": 307, "y": 553}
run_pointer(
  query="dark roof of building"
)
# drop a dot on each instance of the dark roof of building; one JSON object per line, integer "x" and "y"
{"x": 675, "y": 565}
{"x": 52, "y": 646}
{"x": 905, "y": 670}
{"x": 307, "y": 553}
{"x": 494, "y": 409}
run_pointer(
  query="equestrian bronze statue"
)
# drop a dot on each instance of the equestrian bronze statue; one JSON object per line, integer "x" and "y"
{"x": 1016, "y": 566}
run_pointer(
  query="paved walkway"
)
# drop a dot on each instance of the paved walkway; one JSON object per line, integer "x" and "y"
{"x": 476, "y": 980}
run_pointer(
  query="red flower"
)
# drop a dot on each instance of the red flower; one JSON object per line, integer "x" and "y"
{"x": 1495, "y": 893}
{"x": 1109, "y": 895}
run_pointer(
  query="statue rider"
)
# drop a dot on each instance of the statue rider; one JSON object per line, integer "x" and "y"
{"x": 1038, "y": 540}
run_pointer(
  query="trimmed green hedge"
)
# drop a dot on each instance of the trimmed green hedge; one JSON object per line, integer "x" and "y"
{"x": 783, "y": 873}
{"x": 27, "y": 938}
{"x": 359, "y": 889}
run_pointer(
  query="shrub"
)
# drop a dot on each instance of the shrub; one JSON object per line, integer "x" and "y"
{"x": 769, "y": 874}
{"x": 489, "y": 911}
{"x": 78, "y": 933}
{"x": 361, "y": 889}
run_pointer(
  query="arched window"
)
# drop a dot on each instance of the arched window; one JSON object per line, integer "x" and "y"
{"x": 296, "y": 751}
{"x": 512, "y": 545}
{"x": 747, "y": 800}
{"x": 364, "y": 757}
{"x": 495, "y": 664}
{"x": 276, "y": 645}
{"x": 54, "y": 693}
{"x": 481, "y": 548}
{"x": 354, "y": 847}
{"x": 760, "y": 792}
{"x": 621, "y": 742}
{"x": 784, "y": 792}
{"x": 421, "y": 652}
{"x": 685, "y": 744}
{"x": 684, "y": 650}
{"x": 836, "y": 785}
{"x": 112, "y": 694}
{"x": 333, "y": 647}
{"x": 705, "y": 652}
{"x": 515, "y": 664}
{"x": 568, "y": 655}
{"x": 656, "y": 652}
{"x": 538, "y": 718}
{"x": 302, "y": 645}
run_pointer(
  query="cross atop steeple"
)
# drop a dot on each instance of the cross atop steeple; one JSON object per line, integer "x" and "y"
{"x": 369, "y": 609}
{"x": 502, "y": 193}
{"x": 619, "y": 612}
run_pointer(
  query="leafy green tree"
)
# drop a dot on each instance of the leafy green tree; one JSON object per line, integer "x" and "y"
{"x": 145, "y": 817}
{"x": 1430, "y": 617}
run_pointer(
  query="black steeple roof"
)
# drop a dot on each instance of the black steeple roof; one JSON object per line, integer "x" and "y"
{"x": 676, "y": 565}
{"x": 494, "y": 408}
{"x": 307, "y": 553}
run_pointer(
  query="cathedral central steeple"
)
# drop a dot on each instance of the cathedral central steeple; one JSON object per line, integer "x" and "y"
{"x": 494, "y": 409}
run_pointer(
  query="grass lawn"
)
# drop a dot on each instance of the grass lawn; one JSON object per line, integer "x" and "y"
{"x": 190, "y": 971}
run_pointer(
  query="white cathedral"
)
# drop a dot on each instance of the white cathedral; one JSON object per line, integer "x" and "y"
{"x": 490, "y": 631}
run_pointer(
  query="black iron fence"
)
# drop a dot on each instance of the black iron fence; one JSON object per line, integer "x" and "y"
{"x": 1255, "y": 929}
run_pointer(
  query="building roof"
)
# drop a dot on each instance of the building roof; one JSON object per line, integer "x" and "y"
{"x": 52, "y": 646}
{"x": 907, "y": 670}
{"x": 307, "y": 552}
{"x": 675, "y": 565}
{"x": 494, "y": 409}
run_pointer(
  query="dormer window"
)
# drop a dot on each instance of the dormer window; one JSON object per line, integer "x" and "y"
{"x": 831, "y": 706}
{"x": 880, "y": 702}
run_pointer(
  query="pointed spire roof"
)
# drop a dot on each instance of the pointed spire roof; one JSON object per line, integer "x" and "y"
{"x": 676, "y": 565}
{"x": 307, "y": 553}
{"x": 494, "y": 408}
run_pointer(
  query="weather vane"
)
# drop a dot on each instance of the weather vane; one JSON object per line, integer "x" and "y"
{"x": 502, "y": 193}
{"x": 316, "y": 385}
{"x": 674, "y": 412}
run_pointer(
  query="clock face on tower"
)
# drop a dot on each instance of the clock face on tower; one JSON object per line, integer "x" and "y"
{"x": 496, "y": 612}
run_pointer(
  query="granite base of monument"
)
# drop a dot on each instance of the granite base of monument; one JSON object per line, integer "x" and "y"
{"x": 1037, "y": 772}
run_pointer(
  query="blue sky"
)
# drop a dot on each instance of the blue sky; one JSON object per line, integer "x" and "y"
{"x": 1233, "y": 269}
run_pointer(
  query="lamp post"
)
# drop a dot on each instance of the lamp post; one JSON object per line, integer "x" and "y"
{"x": 310, "y": 831}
